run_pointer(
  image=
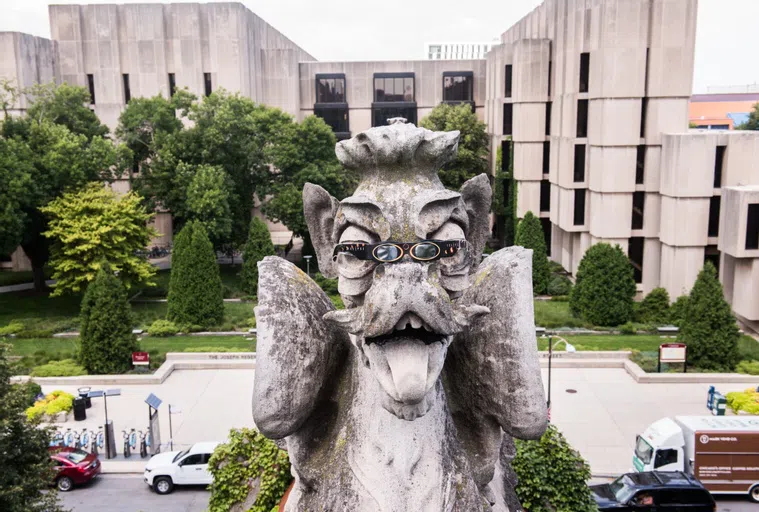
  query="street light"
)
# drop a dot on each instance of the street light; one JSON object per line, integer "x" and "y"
{"x": 569, "y": 347}
{"x": 308, "y": 264}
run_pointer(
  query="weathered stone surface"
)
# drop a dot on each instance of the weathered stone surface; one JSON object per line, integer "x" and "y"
{"x": 408, "y": 398}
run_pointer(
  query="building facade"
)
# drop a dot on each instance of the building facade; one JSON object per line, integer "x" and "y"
{"x": 721, "y": 110}
{"x": 457, "y": 51}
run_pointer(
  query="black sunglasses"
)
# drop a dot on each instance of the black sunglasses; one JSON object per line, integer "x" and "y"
{"x": 388, "y": 252}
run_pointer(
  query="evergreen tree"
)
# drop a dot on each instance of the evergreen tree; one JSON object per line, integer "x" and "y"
{"x": 654, "y": 308}
{"x": 605, "y": 287}
{"x": 27, "y": 470}
{"x": 530, "y": 236}
{"x": 106, "y": 339}
{"x": 677, "y": 310}
{"x": 195, "y": 291}
{"x": 709, "y": 327}
{"x": 257, "y": 248}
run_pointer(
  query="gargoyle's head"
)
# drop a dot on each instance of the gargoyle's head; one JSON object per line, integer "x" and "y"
{"x": 402, "y": 247}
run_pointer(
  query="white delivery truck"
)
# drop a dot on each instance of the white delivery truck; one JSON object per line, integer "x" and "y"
{"x": 721, "y": 451}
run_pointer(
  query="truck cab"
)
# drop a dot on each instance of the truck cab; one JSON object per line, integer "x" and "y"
{"x": 660, "y": 448}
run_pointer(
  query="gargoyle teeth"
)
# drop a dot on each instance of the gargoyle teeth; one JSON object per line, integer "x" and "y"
{"x": 413, "y": 320}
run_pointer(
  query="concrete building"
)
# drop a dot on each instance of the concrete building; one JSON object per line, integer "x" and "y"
{"x": 27, "y": 60}
{"x": 457, "y": 51}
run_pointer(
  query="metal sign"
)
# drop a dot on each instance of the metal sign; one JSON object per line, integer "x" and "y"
{"x": 153, "y": 401}
{"x": 140, "y": 358}
{"x": 672, "y": 352}
{"x": 95, "y": 394}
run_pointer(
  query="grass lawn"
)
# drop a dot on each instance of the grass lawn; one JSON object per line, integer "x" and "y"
{"x": 230, "y": 279}
{"x": 551, "y": 314}
{"x": 8, "y": 278}
{"x": 644, "y": 343}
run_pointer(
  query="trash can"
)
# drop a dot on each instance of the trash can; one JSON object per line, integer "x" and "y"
{"x": 80, "y": 409}
{"x": 84, "y": 393}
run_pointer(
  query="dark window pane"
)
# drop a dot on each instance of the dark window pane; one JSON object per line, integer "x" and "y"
{"x": 509, "y": 79}
{"x": 330, "y": 90}
{"x": 207, "y": 81}
{"x": 399, "y": 89}
{"x": 505, "y": 155}
{"x": 508, "y": 118}
{"x": 546, "y": 157}
{"x": 714, "y": 206}
{"x": 549, "y": 106}
{"x": 752, "y": 227}
{"x": 640, "y": 165}
{"x": 635, "y": 253}
{"x": 584, "y": 71}
{"x": 545, "y": 196}
{"x": 550, "y": 76}
{"x": 643, "y": 114}
{"x": 457, "y": 88}
{"x": 335, "y": 117}
{"x": 579, "y": 169}
{"x": 546, "y": 223}
{"x": 579, "y": 213}
{"x": 582, "y": 118}
{"x": 718, "y": 163}
{"x": 127, "y": 91}
{"x": 91, "y": 87}
{"x": 665, "y": 457}
{"x": 712, "y": 254}
{"x": 393, "y": 87}
{"x": 408, "y": 89}
{"x": 172, "y": 84}
{"x": 638, "y": 209}
{"x": 380, "y": 115}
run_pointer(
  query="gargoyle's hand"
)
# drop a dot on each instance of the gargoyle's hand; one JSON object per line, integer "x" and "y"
{"x": 297, "y": 351}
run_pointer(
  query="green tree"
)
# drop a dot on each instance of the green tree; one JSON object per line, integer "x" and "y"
{"x": 530, "y": 236}
{"x": 472, "y": 158}
{"x": 654, "y": 308}
{"x": 257, "y": 248}
{"x": 65, "y": 105}
{"x": 709, "y": 328}
{"x": 15, "y": 181}
{"x": 677, "y": 310}
{"x": 208, "y": 201}
{"x": 195, "y": 291}
{"x": 505, "y": 198}
{"x": 752, "y": 123}
{"x": 106, "y": 339}
{"x": 552, "y": 476}
{"x": 95, "y": 226}
{"x": 27, "y": 470}
{"x": 604, "y": 288}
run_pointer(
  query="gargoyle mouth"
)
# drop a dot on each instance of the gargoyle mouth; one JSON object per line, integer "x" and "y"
{"x": 409, "y": 326}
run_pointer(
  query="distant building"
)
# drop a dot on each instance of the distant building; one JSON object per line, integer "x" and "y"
{"x": 723, "y": 108}
{"x": 457, "y": 51}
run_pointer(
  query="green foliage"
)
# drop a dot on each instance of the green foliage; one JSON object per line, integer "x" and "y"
{"x": 530, "y": 236}
{"x": 63, "y": 368}
{"x": 208, "y": 200}
{"x": 34, "y": 333}
{"x": 216, "y": 349}
{"x": 746, "y": 401}
{"x": 65, "y": 105}
{"x": 236, "y": 465}
{"x": 162, "y": 328}
{"x": 53, "y": 403}
{"x": 753, "y": 120}
{"x": 256, "y": 248}
{"x": 95, "y": 226}
{"x": 14, "y": 327}
{"x": 604, "y": 288}
{"x": 559, "y": 285}
{"x": 709, "y": 328}
{"x": 328, "y": 285}
{"x": 677, "y": 310}
{"x": 195, "y": 289}
{"x": 654, "y": 308}
{"x": 31, "y": 390}
{"x": 552, "y": 476}
{"x": 16, "y": 173}
{"x": 27, "y": 470}
{"x": 106, "y": 339}
{"x": 748, "y": 367}
{"x": 505, "y": 198}
{"x": 748, "y": 348}
{"x": 628, "y": 328}
{"x": 472, "y": 158}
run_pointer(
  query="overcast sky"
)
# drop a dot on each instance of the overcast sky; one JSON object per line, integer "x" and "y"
{"x": 726, "y": 48}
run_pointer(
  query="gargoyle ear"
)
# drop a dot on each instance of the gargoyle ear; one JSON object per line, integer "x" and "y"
{"x": 320, "y": 208}
{"x": 476, "y": 194}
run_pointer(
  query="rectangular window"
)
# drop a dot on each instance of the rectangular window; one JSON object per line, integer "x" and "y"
{"x": 579, "y": 213}
{"x": 380, "y": 115}
{"x": 330, "y": 88}
{"x": 714, "y": 206}
{"x": 584, "y": 71}
{"x": 546, "y": 157}
{"x": 550, "y": 76}
{"x": 582, "y": 118}
{"x": 579, "y": 169}
{"x": 172, "y": 84}
{"x": 640, "y": 165}
{"x": 394, "y": 87}
{"x": 508, "y": 118}
{"x": 549, "y": 106}
{"x": 635, "y": 254}
{"x": 712, "y": 254}
{"x": 509, "y": 80}
{"x": 91, "y": 87}
{"x": 545, "y": 196}
{"x": 207, "y": 82}
{"x": 546, "y": 223}
{"x": 505, "y": 155}
{"x": 643, "y": 115}
{"x": 127, "y": 92}
{"x": 458, "y": 86}
{"x": 639, "y": 204}
{"x": 752, "y": 227}
{"x": 337, "y": 119}
{"x": 718, "y": 163}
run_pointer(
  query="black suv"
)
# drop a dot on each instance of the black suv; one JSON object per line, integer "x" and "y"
{"x": 655, "y": 491}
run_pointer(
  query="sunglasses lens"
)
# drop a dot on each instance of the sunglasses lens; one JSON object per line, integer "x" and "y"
{"x": 425, "y": 251}
{"x": 387, "y": 252}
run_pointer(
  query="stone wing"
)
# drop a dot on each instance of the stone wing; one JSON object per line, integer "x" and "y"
{"x": 297, "y": 351}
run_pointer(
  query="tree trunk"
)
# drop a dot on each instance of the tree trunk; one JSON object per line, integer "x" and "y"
{"x": 39, "y": 279}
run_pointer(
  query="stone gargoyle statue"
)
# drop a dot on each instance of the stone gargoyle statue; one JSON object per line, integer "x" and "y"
{"x": 410, "y": 397}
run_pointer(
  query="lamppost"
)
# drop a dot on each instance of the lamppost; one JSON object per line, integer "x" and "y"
{"x": 308, "y": 264}
{"x": 551, "y": 346}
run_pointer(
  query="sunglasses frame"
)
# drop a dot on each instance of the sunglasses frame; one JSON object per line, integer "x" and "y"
{"x": 367, "y": 252}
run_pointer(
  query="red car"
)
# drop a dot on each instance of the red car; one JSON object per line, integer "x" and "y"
{"x": 73, "y": 466}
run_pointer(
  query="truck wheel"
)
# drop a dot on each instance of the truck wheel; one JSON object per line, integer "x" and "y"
{"x": 163, "y": 485}
{"x": 753, "y": 494}
{"x": 64, "y": 484}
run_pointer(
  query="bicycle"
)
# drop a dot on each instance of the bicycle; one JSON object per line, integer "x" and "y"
{"x": 84, "y": 439}
{"x": 127, "y": 451}
{"x": 57, "y": 439}
{"x": 143, "y": 444}
{"x": 70, "y": 438}
{"x": 98, "y": 441}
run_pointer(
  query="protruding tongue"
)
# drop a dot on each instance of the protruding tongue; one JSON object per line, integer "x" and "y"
{"x": 408, "y": 360}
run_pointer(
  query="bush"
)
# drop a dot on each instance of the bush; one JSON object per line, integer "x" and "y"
{"x": 654, "y": 308}
{"x": 328, "y": 285}
{"x": 530, "y": 236}
{"x": 63, "y": 368}
{"x": 162, "y": 328}
{"x": 746, "y": 401}
{"x": 216, "y": 349}
{"x": 628, "y": 329}
{"x": 709, "y": 328}
{"x": 195, "y": 290}
{"x": 256, "y": 248}
{"x": 31, "y": 391}
{"x": 552, "y": 476}
{"x": 106, "y": 339}
{"x": 560, "y": 285}
{"x": 605, "y": 287}
{"x": 748, "y": 348}
{"x": 12, "y": 328}
{"x": 748, "y": 367}
{"x": 35, "y": 333}
{"x": 52, "y": 404}
{"x": 247, "y": 461}
{"x": 677, "y": 311}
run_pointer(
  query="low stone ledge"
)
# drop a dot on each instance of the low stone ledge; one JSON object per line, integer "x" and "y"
{"x": 560, "y": 354}
{"x": 210, "y": 356}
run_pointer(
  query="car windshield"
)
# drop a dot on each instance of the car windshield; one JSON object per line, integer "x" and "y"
{"x": 75, "y": 456}
{"x": 622, "y": 489}
{"x": 643, "y": 450}
{"x": 181, "y": 454}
